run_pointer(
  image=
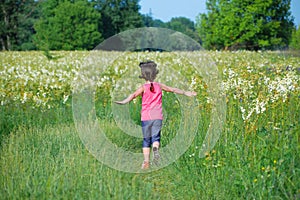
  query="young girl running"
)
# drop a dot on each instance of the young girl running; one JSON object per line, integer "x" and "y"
{"x": 151, "y": 113}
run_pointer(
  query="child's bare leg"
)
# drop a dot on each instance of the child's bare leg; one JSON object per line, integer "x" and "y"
{"x": 146, "y": 152}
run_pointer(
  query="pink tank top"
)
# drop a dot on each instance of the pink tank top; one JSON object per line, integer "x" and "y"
{"x": 152, "y": 102}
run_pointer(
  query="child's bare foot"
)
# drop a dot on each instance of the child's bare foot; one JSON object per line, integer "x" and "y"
{"x": 145, "y": 165}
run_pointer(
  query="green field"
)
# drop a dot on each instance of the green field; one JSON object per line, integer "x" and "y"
{"x": 256, "y": 157}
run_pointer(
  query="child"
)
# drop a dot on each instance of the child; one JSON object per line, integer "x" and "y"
{"x": 151, "y": 114}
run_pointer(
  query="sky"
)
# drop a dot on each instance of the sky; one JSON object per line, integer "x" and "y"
{"x": 166, "y": 9}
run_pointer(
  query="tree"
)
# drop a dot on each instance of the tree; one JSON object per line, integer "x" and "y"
{"x": 183, "y": 25}
{"x": 295, "y": 41}
{"x": 158, "y": 23}
{"x": 16, "y": 24}
{"x": 66, "y": 25}
{"x": 246, "y": 24}
{"x": 148, "y": 21}
{"x": 118, "y": 16}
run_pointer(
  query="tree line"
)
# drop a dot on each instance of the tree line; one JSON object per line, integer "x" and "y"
{"x": 83, "y": 24}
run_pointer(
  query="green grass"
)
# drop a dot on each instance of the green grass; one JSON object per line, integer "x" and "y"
{"x": 51, "y": 162}
{"x": 42, "y": 156}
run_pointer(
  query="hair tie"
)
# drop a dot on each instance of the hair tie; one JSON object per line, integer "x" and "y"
{"x": 152, "y": 87}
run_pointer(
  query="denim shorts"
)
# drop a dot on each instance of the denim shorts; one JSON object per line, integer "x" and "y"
{"x": 151, "y": 131}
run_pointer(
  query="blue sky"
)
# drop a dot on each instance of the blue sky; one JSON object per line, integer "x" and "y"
{"x": 166, "y": 9}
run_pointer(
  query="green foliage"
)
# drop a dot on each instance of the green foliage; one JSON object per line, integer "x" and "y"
{"x": 66, "y": 25}
{"x": 295, "y": 41}
{"x": 82, "y": 24}
{"x": 74, "y": 25}
{"x": 118, "y": 16}
{"x": 180, "y": 24}
{"x": 16, "y": 24}
{"x": 183, "y": 25}
{"x": 148, "y": 21}
{"x": 239, "y": 24}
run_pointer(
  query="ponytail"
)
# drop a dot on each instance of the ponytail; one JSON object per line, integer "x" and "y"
{"x": 152, "y": 87}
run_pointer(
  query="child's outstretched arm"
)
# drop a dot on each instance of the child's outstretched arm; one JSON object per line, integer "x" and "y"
{"x": 131, "y": 96}
{"x": 177, "y": 91}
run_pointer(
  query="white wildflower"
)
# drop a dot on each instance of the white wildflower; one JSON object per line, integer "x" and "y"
{"x": 66, "y": 97}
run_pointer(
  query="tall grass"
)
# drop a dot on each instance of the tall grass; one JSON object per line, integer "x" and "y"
{"x": 50, "y": 162}
{"x": 42, "y": 157}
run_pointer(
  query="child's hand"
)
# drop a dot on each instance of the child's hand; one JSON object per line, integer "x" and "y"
{"x": 190, "y": 94}
{"x": 120, "y": 102}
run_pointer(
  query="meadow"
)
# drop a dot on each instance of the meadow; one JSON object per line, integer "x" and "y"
{"x": 257, "y": 155}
